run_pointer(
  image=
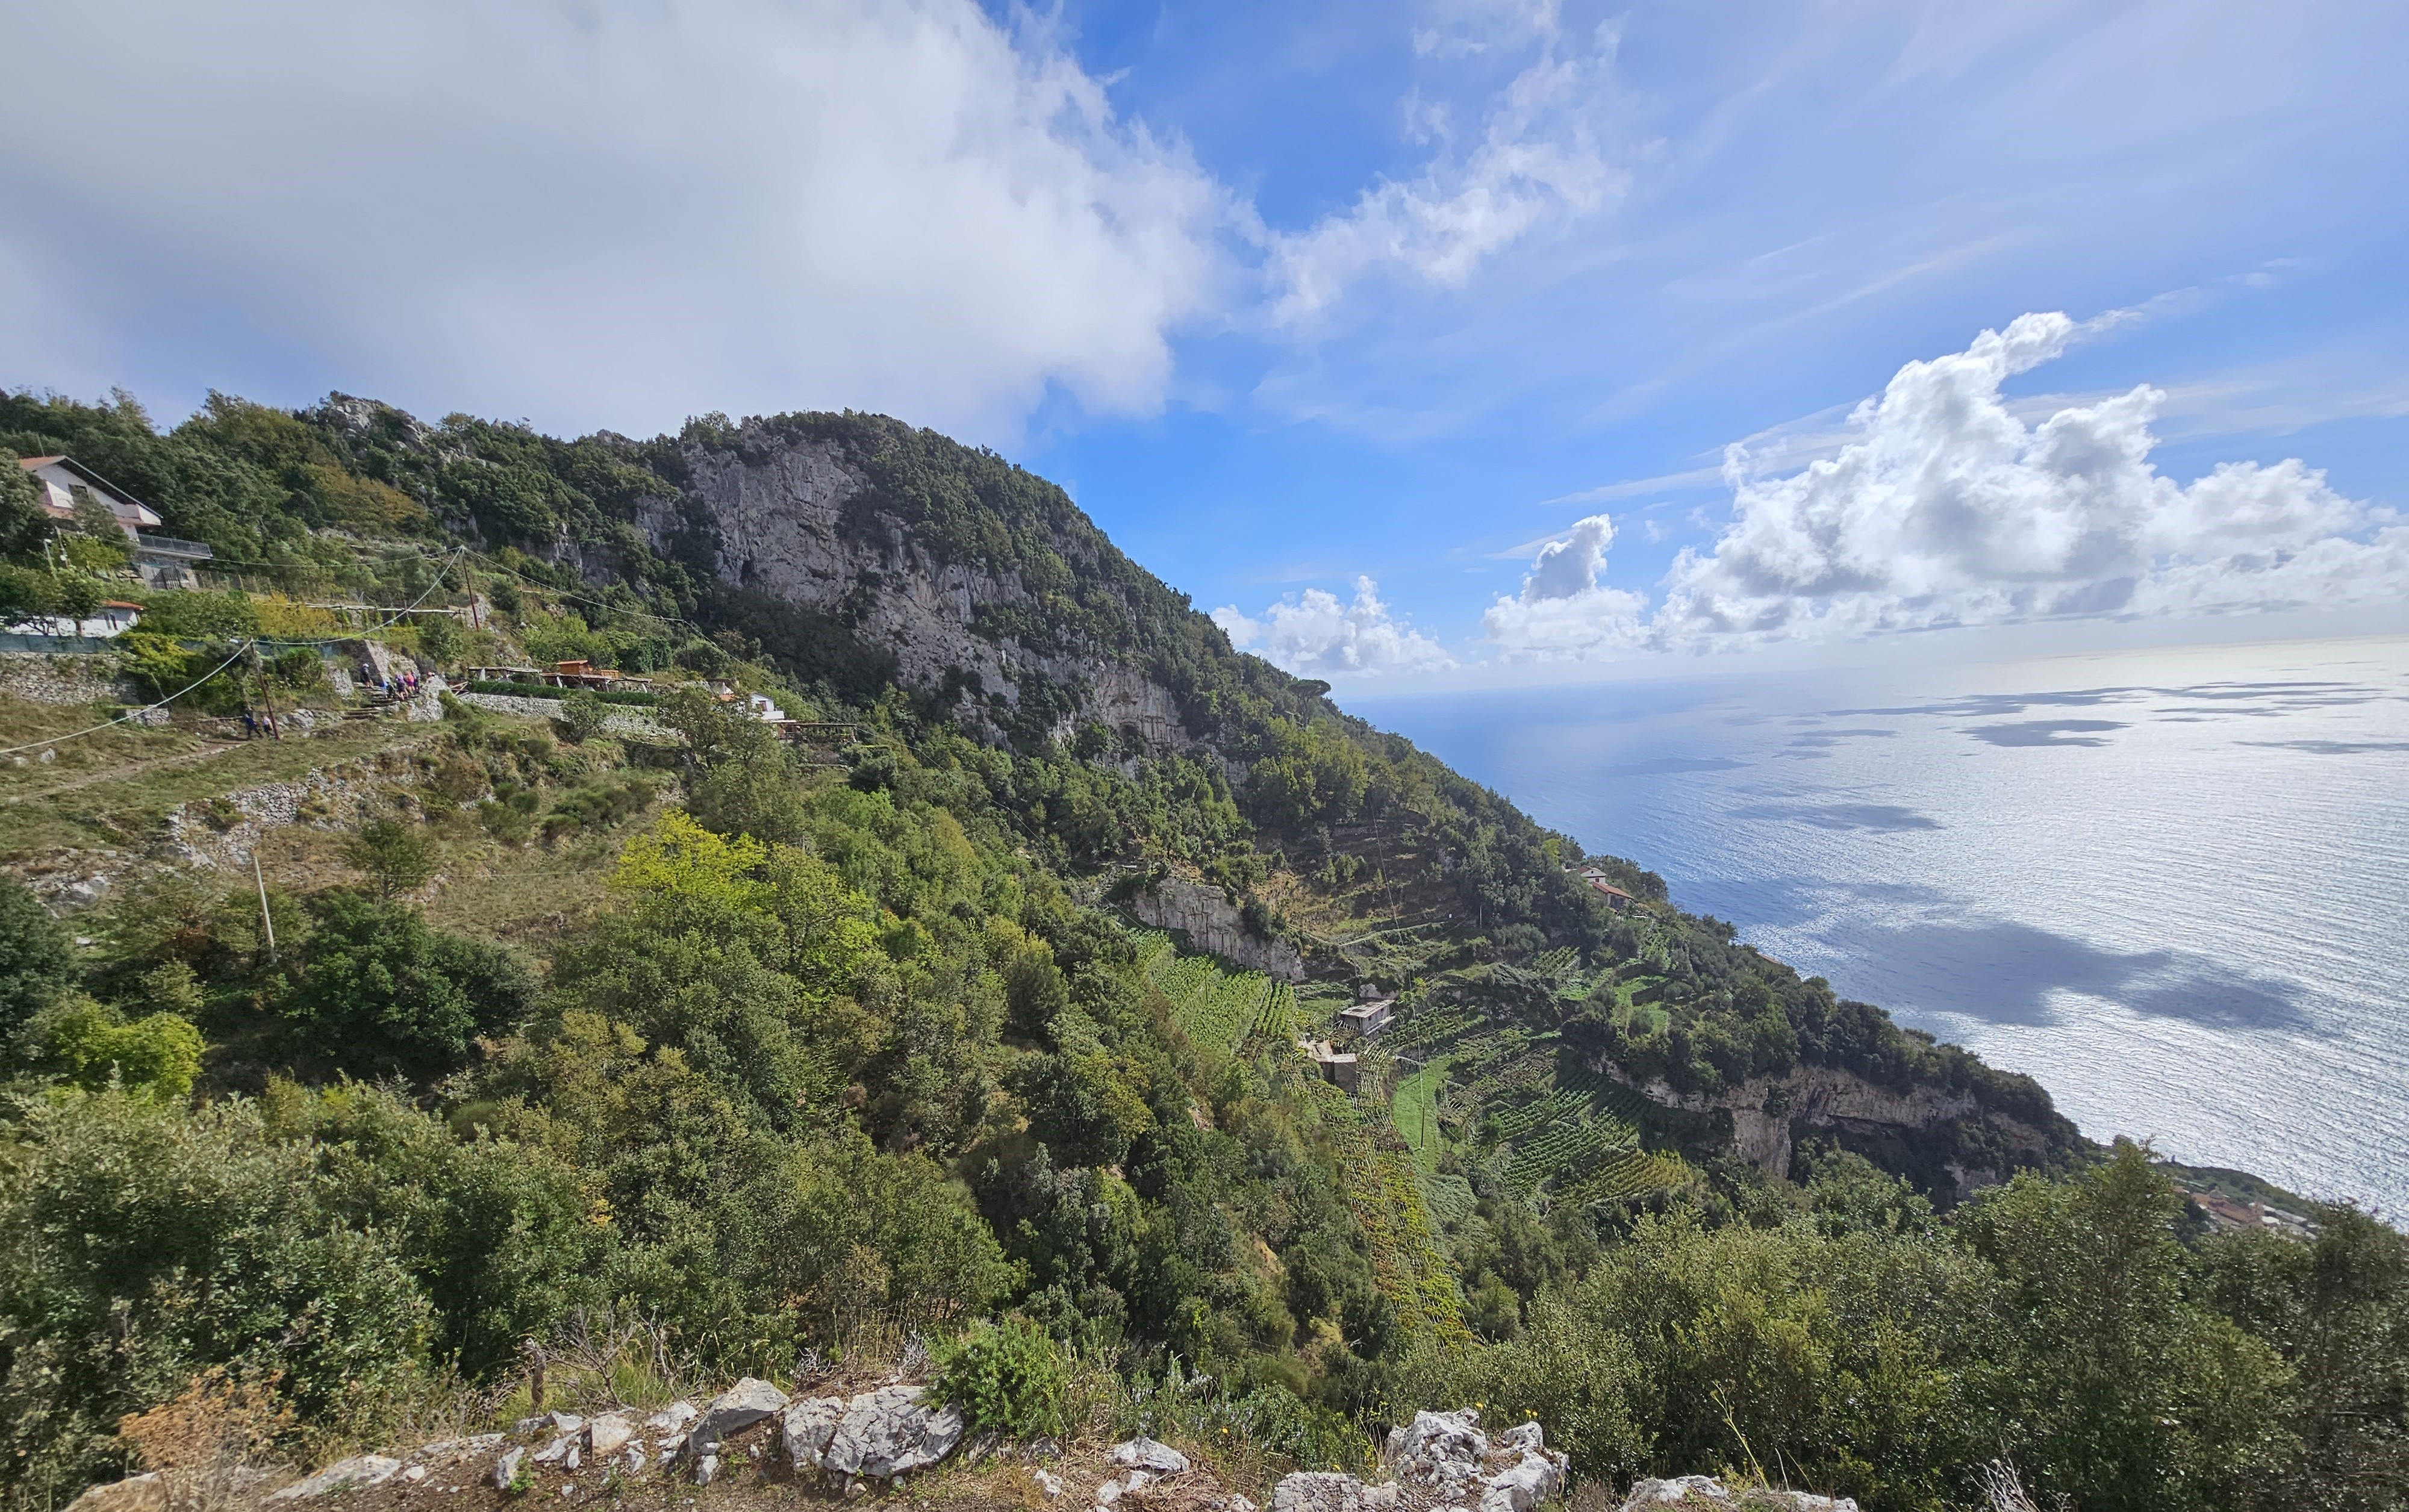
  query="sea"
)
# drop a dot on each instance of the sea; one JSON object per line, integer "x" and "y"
{"x": 2172, "y": 885}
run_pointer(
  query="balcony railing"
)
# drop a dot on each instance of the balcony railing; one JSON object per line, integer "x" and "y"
{"x": 197, "y": 551}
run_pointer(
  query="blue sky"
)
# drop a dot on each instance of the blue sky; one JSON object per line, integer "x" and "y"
{"x": 1293, "y": 297}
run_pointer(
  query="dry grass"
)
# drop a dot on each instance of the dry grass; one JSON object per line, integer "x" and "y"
{"x": 117, "y": 787}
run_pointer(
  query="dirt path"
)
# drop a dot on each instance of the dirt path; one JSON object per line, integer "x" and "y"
{"x": 113, "y": 773}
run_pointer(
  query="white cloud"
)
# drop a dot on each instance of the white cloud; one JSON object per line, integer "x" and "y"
{"x": 1315, "y": 633}
{"x": 1944, "y": 508}
{"x": 1563, "y": 611}
{"x": 1546, "y": 150}
{"x": 598, "y": 211}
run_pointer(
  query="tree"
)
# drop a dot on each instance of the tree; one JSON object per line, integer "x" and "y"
{"x": 27, "y": 596}
{"x": 24, "y": 525}
{"x": 36, "y": 955}
{"x": 581, "y": 717}
{"x": 148, "y": 1242}
{"x": 398, "y": 856}
{"x": 80, "y": 596}
{"x": 93, "y": 1045}
{"x": 438, "y": 636}
{"x": 2129, "y": 1394}
{"x": 383, "y": 992}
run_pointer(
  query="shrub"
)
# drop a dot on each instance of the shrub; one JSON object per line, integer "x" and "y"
{"x": 399, "y": 858}
{"x": 199, "y": 616}
{"x": 1008, "y": 1377}
{"x": 581, "y": 717}
{"x": 158, "y": 1055}
{"x": 37, "y": 957}
{"x": 383, "y": 992}
{"x": 145, "y": 1243}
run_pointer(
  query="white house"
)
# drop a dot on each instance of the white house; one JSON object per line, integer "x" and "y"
{"x": 1368, "y": 1018}
{"x": 113, "y": 617}
{"x": 163, "y": 560}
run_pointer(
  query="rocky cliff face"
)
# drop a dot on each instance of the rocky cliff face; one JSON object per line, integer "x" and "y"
{"x": 1212, "y": 923}
{"x": 786, "y": 519}
{"x": 1767, "y": 1111}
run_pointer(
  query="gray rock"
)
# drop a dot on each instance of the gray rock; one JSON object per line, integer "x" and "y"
{"x": 1439, "y": 1449}
{"x": 1524, "y": 1436}
{"x": 1048, "y": 1482}
{"x": 561, "y": 1450}
{"x": 734, "y": 1410}
{"x": 1531, "y": 1480}
{"x": 506, "y": 1469}
{"x": 706, "y": 1468}
{"x": 670, "y": 1420}
{"x": 806, "y": 1427}
{"x": 360, "y": 1469}
{"x": 1707, "y": 1490}
{"x": 891, "y": 1432}
{"x": 1144, "y": 1453}
{"x": 607, "y": 1432}
{"x": 445, "y": 1450}
{"x": 135, "y": 1493}
{"x": 1330, "y": 1491}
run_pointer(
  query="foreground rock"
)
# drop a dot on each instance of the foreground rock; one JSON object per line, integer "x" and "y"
{"x": 1704, "y": 1493}
{"x": 891, "y": 1432}
{"x": 361, "y": 1470}
{"x": 1143, "y": 1453}
{"x": 134, "y": 1493}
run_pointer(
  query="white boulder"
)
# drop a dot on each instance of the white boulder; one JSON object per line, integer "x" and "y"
{"x": 806, "y": 1427}
{"x": 1707, "y": 1490}
{"x": 360, "y": 1469}
{"x": 733, "y": 1411}
{"x": 891, "y": 1432}
{"x": 1144, "y": 1453}
{"x": 604, "y": 1434}
{"x": 1330, "y": 1491}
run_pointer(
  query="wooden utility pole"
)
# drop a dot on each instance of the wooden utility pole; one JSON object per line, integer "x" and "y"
{"x": 267, "y": 925}
{"x": 265, "y": 696}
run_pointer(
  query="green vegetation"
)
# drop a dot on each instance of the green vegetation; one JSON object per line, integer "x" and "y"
{"x": 851, "y": 1044}
{"x": 1008, "y": 1377}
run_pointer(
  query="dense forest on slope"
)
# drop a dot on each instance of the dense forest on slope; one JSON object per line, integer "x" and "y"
{"x": 854, "y": 1041}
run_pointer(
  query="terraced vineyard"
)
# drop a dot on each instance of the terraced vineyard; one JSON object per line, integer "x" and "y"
{"x": 1212, "y": 1007}
{"x": 1578, "y": 1138}
{"x": 1385, "y": 1193}
{"x": 1434, "y": 1026}
{"x": 1415, "y": 1112}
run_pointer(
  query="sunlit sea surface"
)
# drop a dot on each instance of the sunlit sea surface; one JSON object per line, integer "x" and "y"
{"x": 2172, "y": 885}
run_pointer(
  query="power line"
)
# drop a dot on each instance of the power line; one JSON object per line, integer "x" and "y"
{"x": 253, "y": 644}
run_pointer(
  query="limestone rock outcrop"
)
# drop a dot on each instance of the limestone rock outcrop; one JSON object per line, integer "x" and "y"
{"x": 1212, "y": 922}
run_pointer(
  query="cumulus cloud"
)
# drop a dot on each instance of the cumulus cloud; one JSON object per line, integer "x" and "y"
{"x": 598, "y": 211}
{"x": 1315, "y": 633}
{"x": 1564, "y": 611}
{"x": 1943, "y": 508}
{"x": 1546, "y": 150}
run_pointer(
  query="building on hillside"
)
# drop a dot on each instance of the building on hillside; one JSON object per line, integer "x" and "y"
{"x": 115, "y": 616}
{"x": 1340, "y": 1069}
{"x": 1615, "y": 896}
{"x": 1368, "y": 1018}
{"x": 584, "y": 674}
{"x": 163, "y": 561}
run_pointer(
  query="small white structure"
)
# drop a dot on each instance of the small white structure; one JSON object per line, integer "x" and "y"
{"x": 1615, "y": 896}
{"x": 114, "y": 616}
{"x": 1369, "y": 1018}
{"x": 1340, "y": 1069}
